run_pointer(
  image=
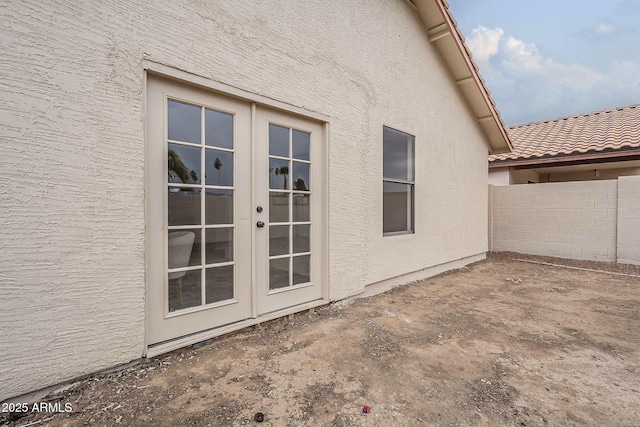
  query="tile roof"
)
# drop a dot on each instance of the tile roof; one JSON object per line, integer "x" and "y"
{"x": 616, "y": 129}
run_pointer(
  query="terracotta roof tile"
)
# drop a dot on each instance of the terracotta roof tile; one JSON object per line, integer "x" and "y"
{"x": 613, "y": 129}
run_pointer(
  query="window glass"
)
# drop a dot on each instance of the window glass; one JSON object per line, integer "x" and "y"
{"x": 396, "y": 207}
{"x": 398, "y": 182}
{"x": 183, "y": 164}
{"x": 300, "y": 180}
{"x": 218, "y": 129}
{"x": 300, "y": 144}
{"x": 278, "y": 141}
{"x": 279, "y": 174}
{"x": 398, "y": 155}
{"x": 219, "y": 168}
{"x": 218, "y": 208}
{"x": 197, "y": 163}
{"x": 184, "y": 122}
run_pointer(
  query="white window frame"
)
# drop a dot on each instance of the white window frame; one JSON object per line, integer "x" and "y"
{"x": 411, "y": 183}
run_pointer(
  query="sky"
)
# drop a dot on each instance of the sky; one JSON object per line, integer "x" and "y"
{"x": 545, "y": 59}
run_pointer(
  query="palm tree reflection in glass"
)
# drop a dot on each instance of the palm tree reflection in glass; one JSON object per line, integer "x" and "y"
{"x": 284, "y": 171}
{"x": 218, "y": 165}
{"x": 178, "y": 171}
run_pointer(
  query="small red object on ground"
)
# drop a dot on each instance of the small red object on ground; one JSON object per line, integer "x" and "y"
{"x": 366, "y": 409}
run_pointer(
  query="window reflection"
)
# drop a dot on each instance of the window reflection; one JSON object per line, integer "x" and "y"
{"x": 218, "y": 129}
{"x": 300, "y": 144}
{"x": 218, "y": 207}
{"x": 278, "y": 141}
{"x": 219, "y": 284}
{"x": 219, "y": 168}
{"x": 278, "y": 174}
{"x": 301, "y": 204}
{"x": 184, "y": 122}
{"x": 183, "y": 164}
{"x": 183, "y": 206}
{"x": 301, "y": 176}
{"x": 301, "y": 269}
{"x": 278, "y": 207}
{"x": 279, "y": 273}
{"x": 278, "y": 240}
{"x": 398, "y": 155}
{"x": 396, "y": 204}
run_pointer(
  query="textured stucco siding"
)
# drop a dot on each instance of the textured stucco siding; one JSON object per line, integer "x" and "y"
{"x": 72, "y": 120}
{"x": 72, "y": 201}
{"x": 629, "y": 220}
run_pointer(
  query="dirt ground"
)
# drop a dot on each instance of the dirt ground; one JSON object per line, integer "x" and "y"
{"x": 501, "y": 342}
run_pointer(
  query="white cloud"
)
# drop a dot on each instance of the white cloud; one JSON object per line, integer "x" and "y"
{"x": 484, "y": 42}
{"x": 523, "y": 60}
{"x": 522, "y": 57}
{"x": 604, "y": 29}
{"x": 527, "y": 86}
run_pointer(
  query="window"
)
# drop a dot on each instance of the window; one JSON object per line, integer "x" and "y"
{"x": 289, "y": 207}
{"x": 200, "y": 193}
{"x": 397, "y": 182}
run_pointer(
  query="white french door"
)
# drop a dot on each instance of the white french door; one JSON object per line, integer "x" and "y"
{"x": 234, "y": 210}
{"x": 289, "y": 254}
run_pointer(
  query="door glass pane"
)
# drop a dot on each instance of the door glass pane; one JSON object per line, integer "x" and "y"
{"x": 219, "y": 245}
{"x": 301, "y": 176}
{"x": 300, "y": 144}
{"x": 301, "y": 238}
{"x": 278, "y": 273}
{"x": 184, "y": 248}
{"x": 278, "y": 207}
{"x": 219, "y": 284}
{"x": 396, "y": 208}
{"x": 183, "y": 206}
{"x": 279, "y": 174}
{"x": 184, "y": 122}
{"x": 278, "y": 141}
{"x": 278, "y": 240}
{"x": 301, "y": 269}
{"x": 184, "y": 289}
{"x": 218, "y": 129}
{"x": 218, "y": 207}
{"x": 183, "y": 164}
{"x": 219, "y": 168}
{"x": 301, "y": 203}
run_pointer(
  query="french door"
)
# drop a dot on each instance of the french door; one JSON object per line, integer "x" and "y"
{"x": 234, "y": 210}
{"x": 289, "y": 182}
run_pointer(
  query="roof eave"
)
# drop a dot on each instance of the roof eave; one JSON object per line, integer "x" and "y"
{"x": 594, "y": 157}
{"x": 444, "y": 36}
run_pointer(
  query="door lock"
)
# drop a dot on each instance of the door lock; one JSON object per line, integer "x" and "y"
{"x": 259, "y": 209}
{"x": 260, "y": 224}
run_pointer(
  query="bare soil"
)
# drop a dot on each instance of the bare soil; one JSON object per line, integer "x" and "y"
{"x": 501, "y": 342}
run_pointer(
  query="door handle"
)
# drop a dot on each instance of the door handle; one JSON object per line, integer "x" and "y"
{"x": 260, "y": 224}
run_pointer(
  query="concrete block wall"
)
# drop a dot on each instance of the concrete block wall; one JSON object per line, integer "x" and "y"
{"x": 576, "y": 220}
{"x": 629, "y": 220}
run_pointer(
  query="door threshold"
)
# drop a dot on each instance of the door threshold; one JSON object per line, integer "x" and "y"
{"x": 174, "y": 344}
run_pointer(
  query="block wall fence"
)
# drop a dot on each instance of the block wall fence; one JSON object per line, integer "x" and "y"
{"x": 586, "y": 220}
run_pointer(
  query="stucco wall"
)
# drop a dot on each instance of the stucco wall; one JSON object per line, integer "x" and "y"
{"x": 499, "y": 176}
{"x": 73, "y": 153}
{"x": 524, "y": 177}
{"x": 589, "y": 175}
{"x": 508, "y": 176}
{"x": 575, "y": 220}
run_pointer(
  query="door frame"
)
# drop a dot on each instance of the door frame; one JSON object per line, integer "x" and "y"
{"x": 255, "y": 101}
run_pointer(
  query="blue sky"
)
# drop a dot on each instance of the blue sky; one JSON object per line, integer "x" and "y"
{"x": 543, "y": 59}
